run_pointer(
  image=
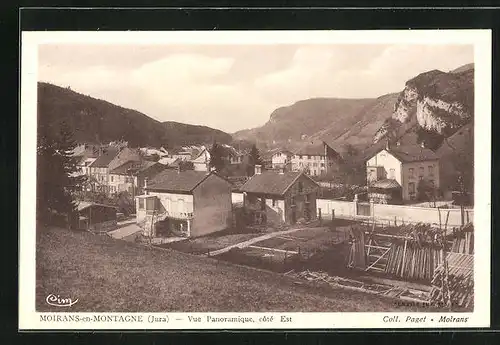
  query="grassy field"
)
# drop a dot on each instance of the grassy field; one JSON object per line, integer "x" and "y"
{"x": 209, "y": 243}
{"x": 112, "y": 275}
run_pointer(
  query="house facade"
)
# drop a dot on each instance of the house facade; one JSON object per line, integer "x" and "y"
{"x": 184, "y": 203}
{"x": 315, "y": 159}
{"x": 129, "y": 177}
{"x": 406, "y": 165}
{"x": 280, "y": 198}
{"x": 202, "y": 161}
{"x": 281, "y": 159}
{"x": 110, "y": 159}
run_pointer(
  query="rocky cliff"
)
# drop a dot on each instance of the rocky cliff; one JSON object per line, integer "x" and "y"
{"x": 436, "y": 102}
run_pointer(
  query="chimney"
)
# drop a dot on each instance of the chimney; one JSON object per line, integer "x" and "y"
{"x": 258, "y": 169}
{"x": 398, "y": 143}
{"x": 387, "y": 145}
{"x": 179, "y": 168}
{"x": 422, "y": 145}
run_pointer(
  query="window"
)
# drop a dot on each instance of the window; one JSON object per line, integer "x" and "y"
{"x": 411, "y": 188}
{"x": 274, "y": 202}
{"x": 431, "y": 170}
{"x": 141, "y": 204}
{"x": 431, "y": 182}
{"x": 421, "y": 171}
{"x": 411, "y": 173}
{"x": 300, "y": 187}
{"x": 150, "y": 204}
{"x": 322, "y": 165}
{"x": 307, "y": 198}
{"x": 112, "y": 178}
{"x": 292, "y": 201}
{"x": 391, "y": 173}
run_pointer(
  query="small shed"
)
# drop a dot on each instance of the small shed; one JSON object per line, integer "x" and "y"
{"x": 387, "y": 191}
{"x": 96, "y": 217}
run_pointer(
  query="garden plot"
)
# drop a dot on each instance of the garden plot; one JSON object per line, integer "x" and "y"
{"x": 290, "y": 251}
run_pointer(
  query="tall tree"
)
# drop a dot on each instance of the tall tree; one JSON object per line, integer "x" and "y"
{"x": 57, "y": 174}
{"x": 255, "y": 154}
{"x": 216, "y": 157}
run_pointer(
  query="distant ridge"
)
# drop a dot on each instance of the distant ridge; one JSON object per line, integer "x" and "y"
{"x": 97, "y": 121}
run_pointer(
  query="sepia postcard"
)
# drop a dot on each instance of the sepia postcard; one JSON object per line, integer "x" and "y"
{"x": 255, "y": 180}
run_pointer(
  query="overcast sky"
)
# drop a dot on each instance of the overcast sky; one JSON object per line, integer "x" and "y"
{"x": 236, "y": 87}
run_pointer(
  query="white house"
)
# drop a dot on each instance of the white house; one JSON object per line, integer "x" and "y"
{"x": 202, "y": 161}
{"x": 280, "y": 159}
{"x": 404, "y": 164}
{"x": 315, "y": 159}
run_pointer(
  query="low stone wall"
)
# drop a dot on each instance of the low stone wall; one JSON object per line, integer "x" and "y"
{"x": 397, "y": 213}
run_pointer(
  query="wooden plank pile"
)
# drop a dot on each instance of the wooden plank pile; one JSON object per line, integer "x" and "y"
{"x": 463, "y": 240}
{"x": 393, "y": 291}
{"x": 459, "y": 288}
{"x": 410, "y": 261}
{"x": 453, "y": 282}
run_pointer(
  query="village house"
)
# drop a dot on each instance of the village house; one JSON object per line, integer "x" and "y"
{"x": 201, "y": 162}
{"x": 129, "y": 177}
{"x": 184, "y": 203}
{"x": 398, "y": 169}
{"x": 280, "y": 198}
{"x": 316, "y": 159}
{"x": 281, "y": 159}
{"x": 110, "y": 159}
{"x": 186, "y": 153}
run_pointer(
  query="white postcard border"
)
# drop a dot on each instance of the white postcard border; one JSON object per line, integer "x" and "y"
{"x": 30, "y": 319}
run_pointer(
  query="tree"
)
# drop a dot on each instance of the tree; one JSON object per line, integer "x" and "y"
{"x": 57, "y": 174}
{"x": 426, "y": 191}
{"x": 216, "y": 157}
{"x": 255, "y": 155}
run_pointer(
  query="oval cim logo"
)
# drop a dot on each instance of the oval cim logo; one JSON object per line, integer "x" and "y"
{"x": 58, "y": 301}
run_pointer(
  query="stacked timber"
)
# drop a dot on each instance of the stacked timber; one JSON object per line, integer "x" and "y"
{"x": 457, "y": 287}
{"x": 463, "y": 240}
{"x": 412, "y": 261}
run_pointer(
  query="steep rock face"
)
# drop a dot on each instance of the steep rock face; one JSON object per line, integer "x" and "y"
{"x": 436, "y": 101}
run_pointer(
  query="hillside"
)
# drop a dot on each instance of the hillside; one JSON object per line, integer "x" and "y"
{"x": 302, "y": 120}
{"x": 96, "y": 121}
{"x": 434, "y": 104}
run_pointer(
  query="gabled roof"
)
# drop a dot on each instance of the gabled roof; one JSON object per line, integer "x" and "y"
{"x": 412, "y": 153}
{"x": 172, "y": 180}
{"x": 316, "y": 149}
{"x": 103, "y": 160}
{"x": 132, "y": 167}
{"x": 82, "y": 205}
{"x": 271, "y": 183}
{"x": 386, "y": 184}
